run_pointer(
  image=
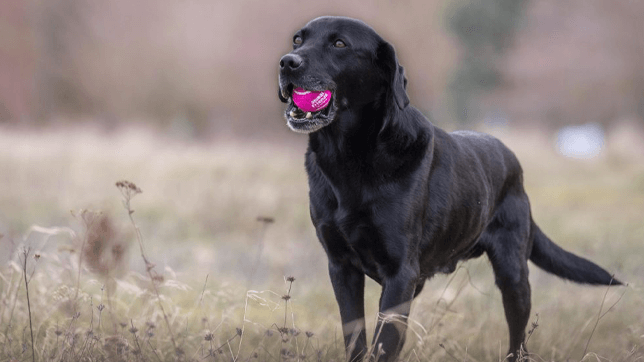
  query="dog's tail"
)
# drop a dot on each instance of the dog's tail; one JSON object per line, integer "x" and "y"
{"x": 550, "y": 257}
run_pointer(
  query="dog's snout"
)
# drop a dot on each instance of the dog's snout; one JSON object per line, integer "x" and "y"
{"x": 290, "y": 62}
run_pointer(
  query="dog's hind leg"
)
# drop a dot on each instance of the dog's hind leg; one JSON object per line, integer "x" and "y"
{"x": 515, "y": 290}
{"x": 507, "y": 242}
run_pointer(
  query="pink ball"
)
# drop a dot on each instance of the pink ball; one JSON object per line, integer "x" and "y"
{"x": 311, "y": 101}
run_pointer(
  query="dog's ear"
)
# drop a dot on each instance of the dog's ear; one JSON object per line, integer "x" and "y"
{"x": 395, "y": 73}
{"x": 279, "y": 94}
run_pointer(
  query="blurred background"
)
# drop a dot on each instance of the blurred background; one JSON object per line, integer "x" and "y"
{"x": 180, "y": 97}
{"x": 190, "y": 66}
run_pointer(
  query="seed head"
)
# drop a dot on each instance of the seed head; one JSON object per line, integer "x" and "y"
{"x": 127, "y": 185}
{"x": 265, "y": 219}
{"x": 128, "y": 191}
{"x": 283, "y": 330}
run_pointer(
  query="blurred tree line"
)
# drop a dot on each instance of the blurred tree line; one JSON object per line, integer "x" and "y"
{"x": 486, "y": 30}
{"x": 207, "y": 67}
{"x": 549, "y": 62}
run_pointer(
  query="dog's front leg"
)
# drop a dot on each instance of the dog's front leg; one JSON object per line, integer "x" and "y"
{"x": 348, "y": 285}
{"x": 395, "y": 303}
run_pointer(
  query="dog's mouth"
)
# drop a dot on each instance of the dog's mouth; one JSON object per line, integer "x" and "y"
{"x": 311, "y": 120}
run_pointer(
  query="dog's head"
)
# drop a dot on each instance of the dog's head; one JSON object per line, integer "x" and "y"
{"x": 346, "y": 57}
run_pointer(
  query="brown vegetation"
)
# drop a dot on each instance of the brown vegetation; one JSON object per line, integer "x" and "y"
{"x": 198, "y": 223}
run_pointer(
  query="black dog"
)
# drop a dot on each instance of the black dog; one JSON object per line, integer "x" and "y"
{"x": 398, "y": 199}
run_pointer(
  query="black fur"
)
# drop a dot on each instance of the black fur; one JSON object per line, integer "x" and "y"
{"x": 397, "y": 199}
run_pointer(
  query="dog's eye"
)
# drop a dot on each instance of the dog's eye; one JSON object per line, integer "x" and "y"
{"x": 339, "y": 44}
{"x": 297, "y": 40}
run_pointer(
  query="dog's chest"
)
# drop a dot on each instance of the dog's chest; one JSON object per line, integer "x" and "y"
{"x": 359, "y": 245}
{"x": 350, "y": 234}
{"x": 350, "y": 211}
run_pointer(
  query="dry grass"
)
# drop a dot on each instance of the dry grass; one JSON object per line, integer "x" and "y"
{"x": 220, "y": 274}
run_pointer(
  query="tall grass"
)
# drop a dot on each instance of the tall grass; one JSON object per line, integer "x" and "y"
{"x": 254, "y": 288}
{"x": 134, "y": 311}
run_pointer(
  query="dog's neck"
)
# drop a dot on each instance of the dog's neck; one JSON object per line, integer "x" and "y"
{"x": 352, "y": 133}
{"x": 365, "y": 139}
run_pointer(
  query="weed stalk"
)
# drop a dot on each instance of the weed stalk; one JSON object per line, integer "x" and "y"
{"x": 25, "y": 255}
{"x": 600, "y": 316}
{"x": 128, "y": 191}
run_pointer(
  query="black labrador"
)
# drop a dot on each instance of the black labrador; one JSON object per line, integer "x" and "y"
{"x": 397, "y": 199}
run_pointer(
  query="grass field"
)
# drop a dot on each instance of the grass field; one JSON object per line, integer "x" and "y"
{"x": 215, "y": 285}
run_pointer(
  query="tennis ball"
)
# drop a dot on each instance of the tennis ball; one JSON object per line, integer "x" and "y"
{"x": 311, "y": 101}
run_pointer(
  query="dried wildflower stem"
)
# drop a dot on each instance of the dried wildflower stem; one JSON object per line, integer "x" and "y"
{"x": 535, "y": 325}
{"x": 446, "y": 351}
{"x": 25, "y": 255}
{"x": 133, "y": 330}
{"x": 100, "y": 308}
{"x": 600, "y": 316}
{"x": 287, "y": 297}
{"x": 227, "y": 343}
{"x": 244, "y": 320}
{"x": 90, "y": 332}
{"x": 203, "y": 290}
{"x": 154, "y": 350}
{"x": 128, "y": 191}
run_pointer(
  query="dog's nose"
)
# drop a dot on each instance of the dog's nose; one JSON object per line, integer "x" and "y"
{"x": 290, "y": 62}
